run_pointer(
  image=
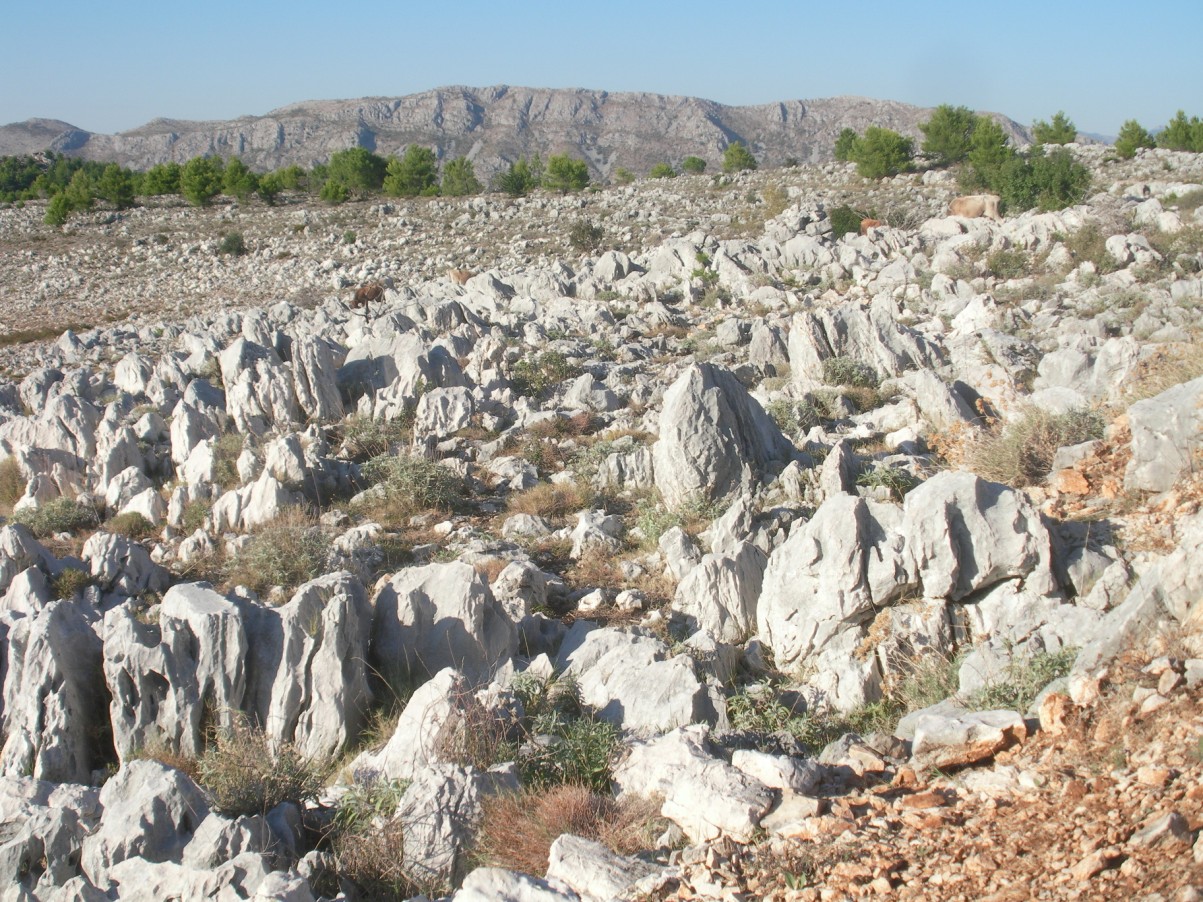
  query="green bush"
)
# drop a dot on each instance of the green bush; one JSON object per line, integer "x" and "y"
{"x": 270, "y": 186}
{"x": 846, "y": 371}
{"x": 116, "y": 185}
{"x": 356, "y": 169}
{"x": 532, "y": 376}
{"x": 623, "y": 176}
{"x": 1008, "y": 264}
{"x": 364, "y": 437}
{"x": 1024, "y": 679}
{"x": 846, "y": 221}
{"x": 737, "y": 158}
{"x": 845, "y": 145}
{"x": 693, "y": 165}
{"x": 162, "y": 178}
{"x": 882, "y": 152}
{"x": 415, "y": 173}
{"x": 584, "y": 235}
{"x": 1060, "y": 130}
{"x": 793, "y": 417}
{"x": 1133, "y": 136}
{"x": 200, "y": 180}
{"x": 662, "y": 171}
{"x": 989, "y": 152}
{"x": 334, "y": 192}
{"x": 1181, "y": 133}
{"x": 521, "y": 178}
{"x": 59, "y": 515}
{"x": 243, "y": 774}
{"x": 459, "y": 178}
{"x": 238, "y": 181}
{"x": 948, "y": 134}
{"x": 565, "y": 173}
{"x": 232, "y": 245}
{"x": 577, "y": 751}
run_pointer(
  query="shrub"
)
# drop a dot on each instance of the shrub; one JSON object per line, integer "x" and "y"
{"x": 413, "y": 484}
{"x": 1021, "y": 452}
{"x": 70, "y": 582}
{"x": 238, "y": 181}
{"x": 334, "y": 192}
{"x": 59, "y": 515}
{"x": 287, "y": 552}
{"x": 948, "y": 134}
{"x": 882, "y": 152}
{"x": 532, "y": 376}
{"x": 365, "y": 437}
{"x": 518, "y": 829}
{"x": 521, "y": 178}
{"x": 1008, "y": 264}
{"x": 232, "y": 244}
{"x": 845, "y": 145}
{"x": 162, "y": 178}
{"x": 894, "y": 480}
{"x": 356, "y": 169}
{"x": 200, "y": 180}
{"x": 349, "y": 237}
{"x": 846, "y": 371}
{"x": 623, "y": 176}
{"x": 1060, "y": 130}
{"x": 568, "y": 750}
{"x": 459, "y": 178}
{"x": 132, "y": 525}
{"x": 845, "y": 221}
{"x": 989, "y": 153}
{"x": 116, "y": 185}
{"x": 242, "y": 774}
{"x": 1017, "y": 688}
{"x": 662, "y": 171}
{"x": 373, "y": 858}
{"x": 565, "y": 173}
{"x": 584, "y": 235}
{"x": 548, "y": 499}
{"x": 270, "y": 187}
{"x": 1181, "y": 133}
{"x": 1133, "y": 136}
{"x": 12, "y": 483}
{"x": 793, "y": 417}
{"x": 1050, "y": 181}
{"x": 226, "y": 451}
{"x": 737, "y": 158}
{"x": 415, "y": 173}
{"x": 693, "y": 165}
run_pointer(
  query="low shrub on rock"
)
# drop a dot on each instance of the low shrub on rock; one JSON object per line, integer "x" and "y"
{"x": 1021, "y": 452}
{"x": 287, "y": 552}
{"x": 59, "y": 515}
{"x": 243, "y": 774}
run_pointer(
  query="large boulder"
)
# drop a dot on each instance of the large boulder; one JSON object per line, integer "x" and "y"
{"x": 719, "y": 594}
{"x": 53, "y": 696}
{"x": 1166, "y": 435}
{"x": 307, "y": 665}
{"x": 715, "y": 439}
{"x": 436, "y": 616}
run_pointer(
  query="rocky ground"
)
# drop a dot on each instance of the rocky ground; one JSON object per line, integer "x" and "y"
{"x": 867, "y": 566}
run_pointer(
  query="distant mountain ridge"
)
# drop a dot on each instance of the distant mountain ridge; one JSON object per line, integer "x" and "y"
{"x": 492, "y": 127}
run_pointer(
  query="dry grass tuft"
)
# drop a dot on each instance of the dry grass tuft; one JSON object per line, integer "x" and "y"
{"x": 1021, "y": 451}
{"x": 550, "y": 500}
{"x": 517, "y": 830}
{"x": 1169, "y": 365}
{"x": 287, "y": 552}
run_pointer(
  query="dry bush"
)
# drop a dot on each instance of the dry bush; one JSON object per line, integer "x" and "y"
{"x": 550, "y": 500}
{"x": 1167, "y": 366}
{"x": 364, "y": 438}
{"x": 410, "y": 485}
{"x": 12, "y": 484}
{"x": 517, "y": 830}
{"x": 287, "y": 552}
{"x": 131, "y": 525}
{"x": 1021, "y": 452}
{"x": 160, "y": 751}
{"x": 374, "y": 860}
{"x": 242, "y": 774}
{"x": 70, "y": 582}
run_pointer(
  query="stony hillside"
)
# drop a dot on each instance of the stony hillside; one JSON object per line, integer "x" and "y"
{"x": 649, "y": 543}
{"x": 492, "y": 126}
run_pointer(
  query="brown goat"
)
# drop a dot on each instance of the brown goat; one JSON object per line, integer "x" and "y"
{"x": 365, "y": 294}
{"x": 460, "y": 276}
{"x": 972, "y": 206}
{"x": 866, "y": 224}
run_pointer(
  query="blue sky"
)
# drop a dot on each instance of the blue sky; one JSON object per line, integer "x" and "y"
{"x": 107, "y": 67}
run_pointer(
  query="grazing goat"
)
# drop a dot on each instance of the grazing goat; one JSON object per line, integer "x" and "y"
{"x": 365, "y": 294}
{"x": 971, "y": 206}
{"x": 866, "y": 224}
{"x": 460, "y": 276}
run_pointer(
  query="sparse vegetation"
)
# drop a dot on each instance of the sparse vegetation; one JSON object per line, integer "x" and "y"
{"x": 1060, "y": 130}
{"x": 533, "y": 376}
{"x": 1025, "y": 677}
{"x": 132, "y": 525}
{"x": 1020, "y": 452}
{"x": 409, "y": 485}
{"x": 287, "y": 552}
{"x": 737, "y": 158}
{"x": 585, "y": 235}
{"x": 232, "y": 244}
{"x": 58, "y": 516}
{"x": 243, "y": 774}
{"x": 70, "y": 582}
{"x": 12, "y": 483}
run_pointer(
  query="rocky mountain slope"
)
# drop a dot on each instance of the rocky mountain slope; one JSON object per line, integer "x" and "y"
{"x": 492, "y": 126}
{"x": 701, "y": 554}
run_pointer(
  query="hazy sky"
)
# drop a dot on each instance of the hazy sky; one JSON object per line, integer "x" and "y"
{"x": 108, "y": 67}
